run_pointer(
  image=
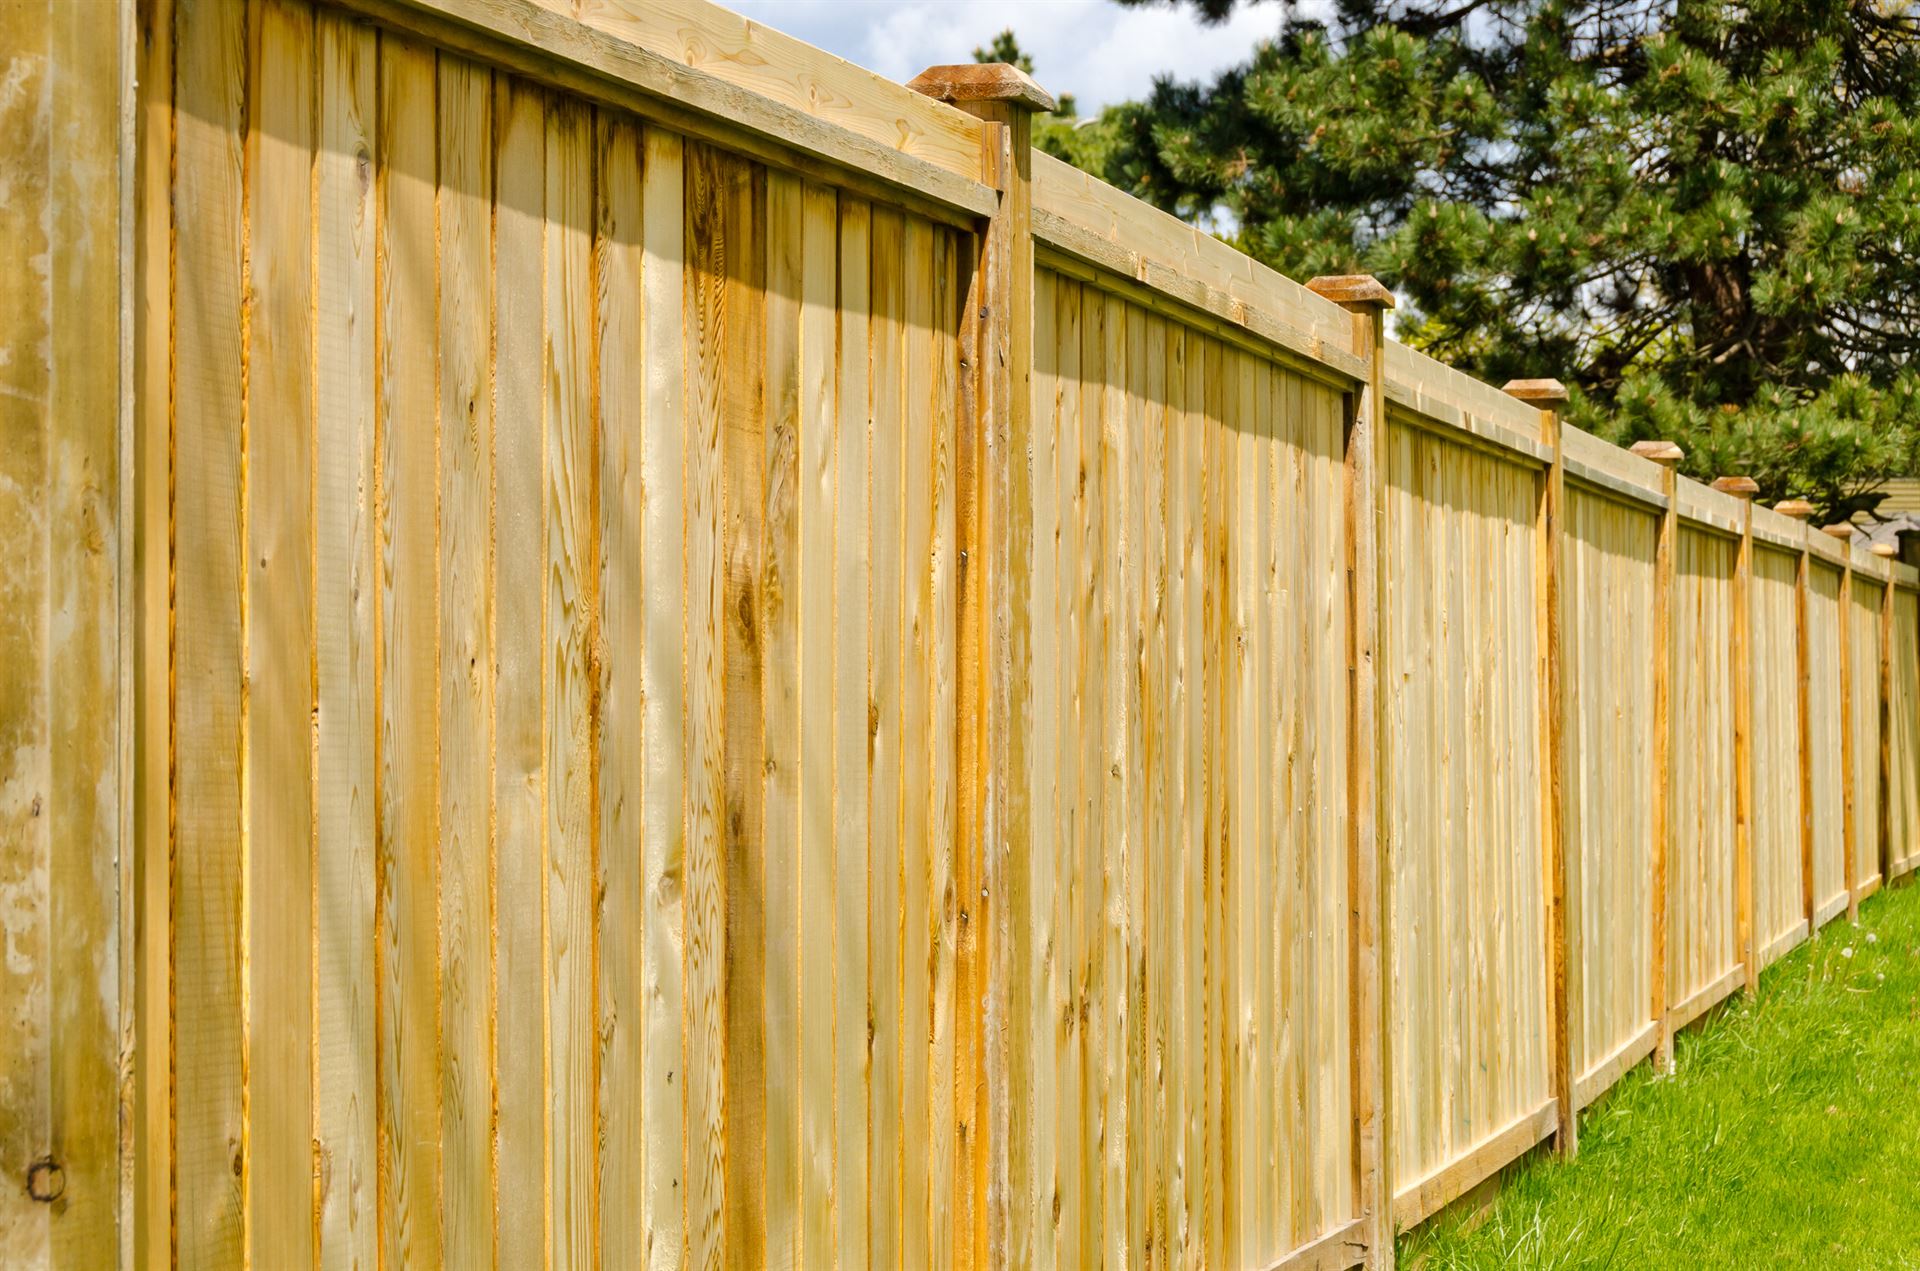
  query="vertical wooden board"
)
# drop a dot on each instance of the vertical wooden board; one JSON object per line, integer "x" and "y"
{"x": 1152, "y": 873}
{"x": 344, "y": 589}
{"x": 1778, "y": 888}
{"x": 705, "y": 950}
{"x": 892, "y": 377}
{"x": 781, "y": 688}
{"x": 739, "y": 355}
{"x": 943, "y": 1183}
{"x": 211, "y": 49}
{"x": 277, "y": 615}
{"x": 570, "y": 650}
{"x": 915, "y": 744}
{"x": 1069, "y": 612}
{"x": 1219, "y": 1247}
{"x": 151, "y": 1213}
{"x": 1863, "y": 632}
{"x": 1090, "y": 830}
{"x": 665, "y": 670}
{"x": 1904, "y": 693}
{"x": 1823, "y": 704}
{"x": 852, "y": 547}
{"x": 1110, "y": 1002}
{"x": 1035, "y": 1065}
{"x": 26, "y": 444}
{"x": 408, "y": 668}
{"x": 621, "y": 890}
{"x": 519, "y": 703}
{"x": 818, "y": 264}
{"x": 1138, "y": 845}
{"x": 467, "y": 656}
{"x": 1186, "y": 363}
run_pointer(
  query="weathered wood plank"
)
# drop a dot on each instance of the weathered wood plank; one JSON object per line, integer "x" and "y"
{"x": 407, "y": 497}
{"x": 467, "y": 657}
{"x": 519, "y": 704}
{"x": 277, "y": 615}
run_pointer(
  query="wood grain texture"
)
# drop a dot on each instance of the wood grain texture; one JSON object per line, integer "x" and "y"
{"x": 407, "y": 434}
{"x": 277, "y": 615}
{"x": 519, "y": 703}
{"x": 466, "y": 705}
{"x": 1823, "y": 634}
{"x": 1779, "y": 891}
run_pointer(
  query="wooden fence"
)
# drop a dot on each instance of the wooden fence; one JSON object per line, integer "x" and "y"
{"x": 663, "y": 652}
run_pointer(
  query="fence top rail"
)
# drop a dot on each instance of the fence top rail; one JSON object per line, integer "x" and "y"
{"x": 1086, "y": 218}
{"x": 1705, "y": 506}
{"x": 1778, "y": 530}
{"x": 728, "y": 46}
{"x": 1435, "y": 391}
{"x": 696, "y": 68}
{"x": 1621, "y": 472}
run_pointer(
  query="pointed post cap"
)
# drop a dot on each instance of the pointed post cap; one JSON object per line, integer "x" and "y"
{"x": 1887, "y": 550}
{"x": 1546, "y": 394}
{"x": 1352, "y": 291}
{"x": 1798, "y": 509}
{"x": 1738, "y": 487}
{"x": 1664, "y": 453}
{"x": 982, "y": 82}
{"x": 1843, "y": 531}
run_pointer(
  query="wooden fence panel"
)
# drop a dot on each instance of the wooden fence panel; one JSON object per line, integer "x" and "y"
{"x": 1863, "y": 669}
{"x": 1188, "y": 765}
{"x": 606, "y": 482}
{"x": 1779, "y": 892}
{"x": 1823, "y": 705}
{"x": 1461, "y": 795}
{"x": 1606, "y": 632}
{"x": 576, "y": 581}
{"x": 1703, "y": 955}
{"x": 1903, "y": 793}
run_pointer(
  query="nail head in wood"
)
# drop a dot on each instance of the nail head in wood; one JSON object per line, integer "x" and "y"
{"x": 1798, "y": 509}
{"x": 1844, "y": 531}
{"x": 1546, "y": 394}
{"x": 1354, "y": 291}
{"x": 982, "y": 81}
{"x": 1664, "y": 453}
{"x": 1739, "y": 487}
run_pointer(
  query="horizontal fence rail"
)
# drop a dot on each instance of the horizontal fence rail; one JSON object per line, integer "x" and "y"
{"x": 663, "y": 652}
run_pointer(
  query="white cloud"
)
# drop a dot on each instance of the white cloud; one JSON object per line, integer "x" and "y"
{"x": 1097, "y": 50}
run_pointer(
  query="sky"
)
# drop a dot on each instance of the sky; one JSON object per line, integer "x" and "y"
{"x": 1095, "y": 49}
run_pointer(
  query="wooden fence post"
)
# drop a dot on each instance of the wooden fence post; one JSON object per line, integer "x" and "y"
{"x": 1884, "y": 828}
{"x": 1844, "y": 532}
{"x": 994, "y": 490}
{"x": 1800, "y": 510}
{"x": 1668, "y": 456}
{"x": 1369, "y": 876}
{"x": 1743, "y": 488}
{"x": 1550, "y": 396}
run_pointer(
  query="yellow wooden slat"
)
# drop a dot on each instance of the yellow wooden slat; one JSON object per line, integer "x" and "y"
{"x": 519, "y": 764}
{"x": 1069, "y": 910}
{"x": 211, "y": 41}
{"x": 943, "y": 845}
{"x": 621, "y": 912}
{"x": 663, "y": 693}
{"x": 467, "y": 657}
{"x": 781, "y": 689}
{"x": 344, "y": 583}
{"x": 571, "y": 648}
{"x": 851, "y": 712}
{"x": 916, "y": 747}
{"x": 892, "y": 379}
{"x": 815, "y": 586}
{"x": 278, "y": 619}
{"x": 408, "y": 666}
{"x": 26, "y": 332}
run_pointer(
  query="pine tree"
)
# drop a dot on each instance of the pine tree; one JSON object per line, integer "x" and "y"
{"x": 1701, "y": 216}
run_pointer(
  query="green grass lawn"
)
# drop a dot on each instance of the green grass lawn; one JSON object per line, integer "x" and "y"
{"x": 1788, "y": 1134}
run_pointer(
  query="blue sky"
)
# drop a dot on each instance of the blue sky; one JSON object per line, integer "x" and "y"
{"x": 1094, "y": 49}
